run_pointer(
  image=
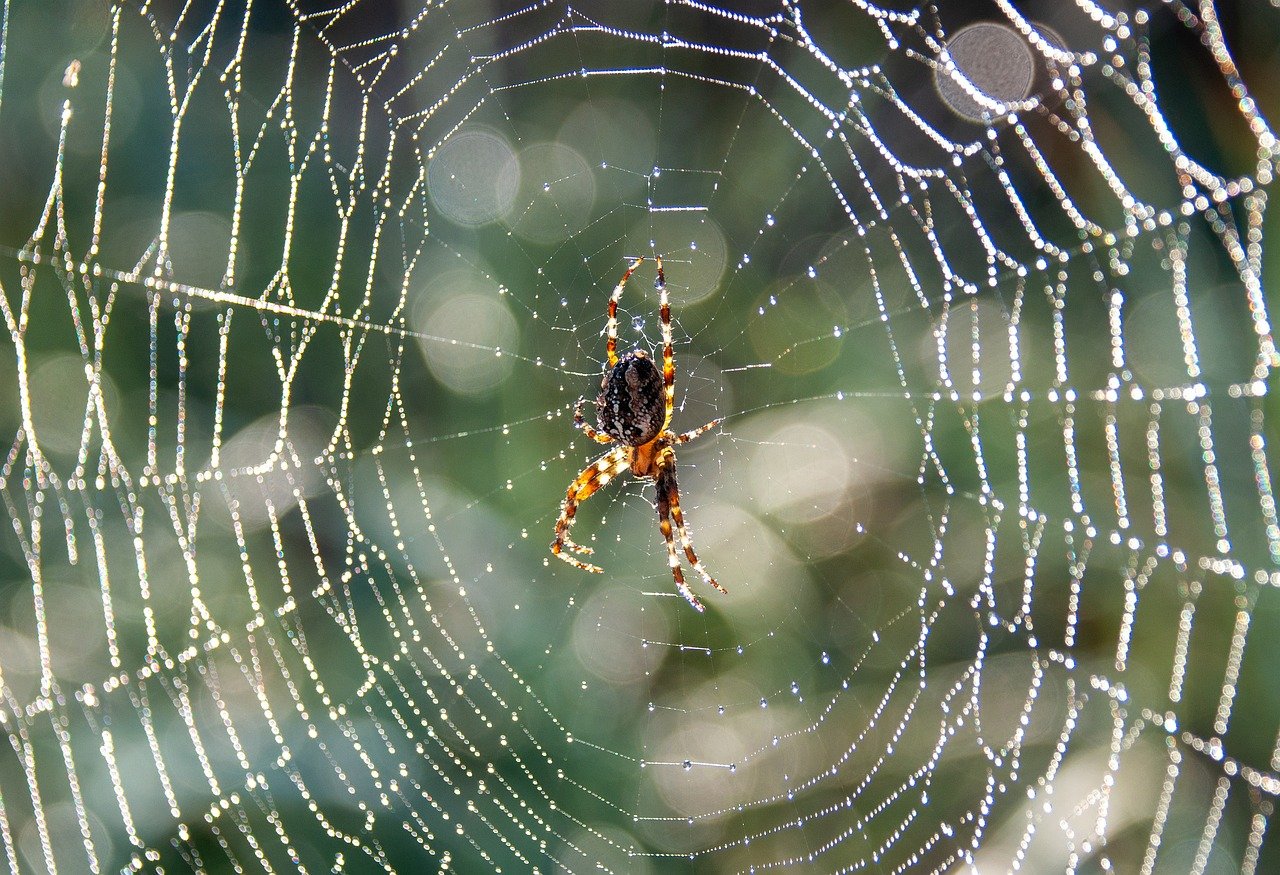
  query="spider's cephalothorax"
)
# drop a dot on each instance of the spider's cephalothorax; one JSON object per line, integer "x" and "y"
{"x": 631, "y": 406}
{"x": 633, "y": 409}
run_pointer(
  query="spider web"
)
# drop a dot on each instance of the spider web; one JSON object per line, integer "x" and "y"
{"x": 299, "y": 298}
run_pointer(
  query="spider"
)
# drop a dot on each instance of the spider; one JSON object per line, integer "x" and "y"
{"x": 633, "y": 409}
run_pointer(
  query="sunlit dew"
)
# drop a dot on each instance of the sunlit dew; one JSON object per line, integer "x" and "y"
{"x": 72, "y": 613}
{"x": 1133, "y": 796}
{"x": 693, "y": 754}
{"x": 21, "y": 654}
{"x": 990, "y": 58}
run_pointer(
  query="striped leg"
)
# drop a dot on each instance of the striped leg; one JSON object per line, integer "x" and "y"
{"x": 668, "y": 352}
{"x": 666, "y": 492}
{"x": 581, "y": 422}
{"x": 611, "y": 345}
{"x": 668, "y": 480}
{"x": 690, "y": 435}
{"x": 595, "y": 475}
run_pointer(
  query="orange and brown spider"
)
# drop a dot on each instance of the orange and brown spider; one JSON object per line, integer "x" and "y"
{"x": 633, "y": 409}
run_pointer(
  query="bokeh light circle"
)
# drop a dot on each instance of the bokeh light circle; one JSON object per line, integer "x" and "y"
{"x": 693, "y": 248}
{"x": 997, "y": 62}
{"x": 474, "y": 177}
{"x": 557, "y": 192}
{"x": 468, "y": 332}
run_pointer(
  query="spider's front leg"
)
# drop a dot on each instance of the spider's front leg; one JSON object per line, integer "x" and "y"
{"x": 580, "y": 422}
{"x": 669, "y": 510}
{"x": 595, "y": 475}
{"x": 687, "y": 436}
{"x": 611, "y": 330}
{"x": 668, "y": 345}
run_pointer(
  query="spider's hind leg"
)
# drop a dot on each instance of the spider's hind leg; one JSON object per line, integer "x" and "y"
{"x": 574, "y": 547}
{"x": 664, "y": 524}
{"x": 668, "y": 507}
{"x": 667, "y": 482}
{"x": 595, "y": 475}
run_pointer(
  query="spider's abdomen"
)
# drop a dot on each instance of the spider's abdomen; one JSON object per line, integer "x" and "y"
{"x": 631, "y": 406}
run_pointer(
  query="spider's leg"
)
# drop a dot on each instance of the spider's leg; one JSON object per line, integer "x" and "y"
{"x": 667, "y": 481}
{"x": 668, "y": 352}
{"x": 595, "y": 475}
{"x": 690, "y": 435}
{"x": 611, "y": 345}
{"x": 581, "y": 422}
{"x": 664, "y": 525}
